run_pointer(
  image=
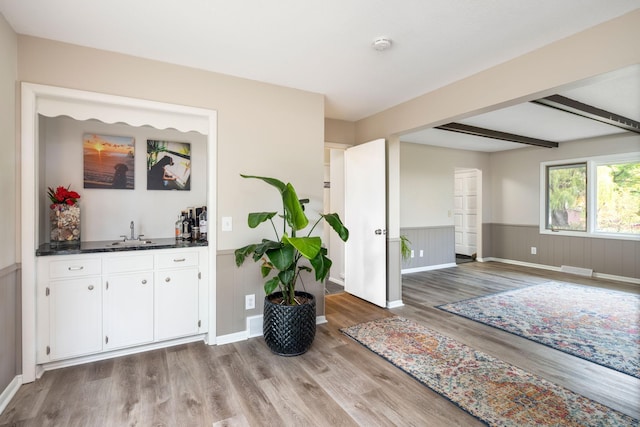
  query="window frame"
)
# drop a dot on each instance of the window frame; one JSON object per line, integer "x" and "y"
{"x": 592, "y": 164}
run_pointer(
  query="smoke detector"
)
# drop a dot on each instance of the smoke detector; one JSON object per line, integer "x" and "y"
{"x": 381, "y": 43}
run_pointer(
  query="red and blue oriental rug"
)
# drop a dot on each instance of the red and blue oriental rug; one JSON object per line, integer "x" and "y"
{"x": 493, "y": 391}
{"x": 596, "y": 324}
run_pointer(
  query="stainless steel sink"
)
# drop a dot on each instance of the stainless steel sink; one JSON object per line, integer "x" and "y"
{"x": 128, "y": 243}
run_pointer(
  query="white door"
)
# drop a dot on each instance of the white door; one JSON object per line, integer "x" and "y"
{"x": 128, "y": 310}
{"x": 365, "y": 216}
{"x": 465, "y": 212}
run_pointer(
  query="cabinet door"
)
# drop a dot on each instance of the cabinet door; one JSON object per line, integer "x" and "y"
{"x": 75, "y": 315}
{"x": 176, "y": 303}
{"x": 128, "y": 310}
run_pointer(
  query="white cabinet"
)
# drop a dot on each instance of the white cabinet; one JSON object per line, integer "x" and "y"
{"x": 176, "y": 297}
{"x": 75, "y": 319}
{"x": 70, "y": 308}
{"x": 94, "y": 303}
{"x": 176, "y": 303}
{"x": 128, "y": 300}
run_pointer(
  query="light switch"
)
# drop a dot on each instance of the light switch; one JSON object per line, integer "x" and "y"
{"x": 227, "y": 223}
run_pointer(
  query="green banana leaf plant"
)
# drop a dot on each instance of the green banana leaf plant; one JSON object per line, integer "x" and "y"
{"x": 283, "y": 255}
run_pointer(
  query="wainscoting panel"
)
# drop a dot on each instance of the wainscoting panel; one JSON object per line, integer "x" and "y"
{"x": 604, "y": 256}
{"x": 10, "y": 325}
{"x": 437, "y": 244}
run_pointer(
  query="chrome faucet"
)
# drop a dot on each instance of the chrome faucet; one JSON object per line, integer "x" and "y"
{"x": 133, "y": 236}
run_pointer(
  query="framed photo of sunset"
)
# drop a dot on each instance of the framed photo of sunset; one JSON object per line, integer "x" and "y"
{"x": 108, "y": 161}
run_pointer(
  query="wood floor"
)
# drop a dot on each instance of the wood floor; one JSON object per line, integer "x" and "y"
{"x": 337, "y": 383}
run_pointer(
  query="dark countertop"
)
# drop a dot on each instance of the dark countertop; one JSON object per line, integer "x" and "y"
{"x": 108, "y": 246}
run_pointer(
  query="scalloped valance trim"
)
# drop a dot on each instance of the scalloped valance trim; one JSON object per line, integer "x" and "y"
{"x": 82, "y": 105}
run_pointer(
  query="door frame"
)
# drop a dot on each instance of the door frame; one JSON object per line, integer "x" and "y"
{"x": 335, "y": 203}
{"x": 478, "y": 176}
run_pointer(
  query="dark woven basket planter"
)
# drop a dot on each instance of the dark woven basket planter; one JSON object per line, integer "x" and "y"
{"x": 289, "y": 330}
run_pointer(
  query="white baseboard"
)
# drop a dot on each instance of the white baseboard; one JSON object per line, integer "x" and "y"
{"x": 229, "y": 338}
{"x": 618, "y": 278}
{"x": 427, "y": 268}
{"x": 395, "y": 304}
{"x": 337, "y": 281}
{"x": 8, "y": 393}
{"x": 554, "y": 268}
{"x": 254, "y": 329}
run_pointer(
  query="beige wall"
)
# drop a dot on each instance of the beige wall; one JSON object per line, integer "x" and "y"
{"x": 8, "y": 173}
{"x": 339, "y": 131}
{"x": 9, "y": 269}
{"x": 426, "y": 183}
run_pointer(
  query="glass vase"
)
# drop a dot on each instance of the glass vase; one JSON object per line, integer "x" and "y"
{"x": 65, "y": 224}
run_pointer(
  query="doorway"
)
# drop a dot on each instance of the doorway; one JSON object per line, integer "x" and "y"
{"x": 467, "y": 214}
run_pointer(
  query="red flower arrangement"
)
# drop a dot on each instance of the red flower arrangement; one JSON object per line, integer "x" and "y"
{"x": 62, "y": 196}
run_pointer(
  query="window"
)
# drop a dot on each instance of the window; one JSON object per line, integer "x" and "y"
{"x": 597, "y": 197}
{"x": 618, "y": 198}
{"x": 567, "y": 197}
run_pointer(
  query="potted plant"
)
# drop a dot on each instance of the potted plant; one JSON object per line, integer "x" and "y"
{"x": 405, "y": 247}
{"x": 289, "y": 319}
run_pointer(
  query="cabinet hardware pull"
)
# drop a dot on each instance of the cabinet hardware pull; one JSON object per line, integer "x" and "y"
{"x": 144, "y": 281}
{"x": 168, "y": 279}
{"x": 90, "y": 287}
{"x": 106, "y": 339}
{"x": 48, "y": 350}
{"x": 46, "y": 292}
{"x": 179, "y": 259}
{"x": 76, "y": 268}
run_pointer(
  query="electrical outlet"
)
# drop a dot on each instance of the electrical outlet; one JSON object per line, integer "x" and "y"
{"x": 413, "y": 254}
{"x": 534, "y": 250}
{"x": 421, "y": 253}
{"x": 227, "y": 223}
{"x": 250, "y": 302}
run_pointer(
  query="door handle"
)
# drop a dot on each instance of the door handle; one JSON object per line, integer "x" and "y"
{"x": 379, "y": 231}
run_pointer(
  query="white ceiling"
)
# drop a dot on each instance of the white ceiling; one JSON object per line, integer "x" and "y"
{"x": 617, "y": 92}
{"x": 325, "y": 47}
{"x": 321, "y": 46}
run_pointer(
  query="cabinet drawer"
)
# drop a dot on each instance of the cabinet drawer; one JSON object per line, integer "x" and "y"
{"x": 74, "y": 268}
{"x": 177, "y": 259}
{"x": 124, "y": 264}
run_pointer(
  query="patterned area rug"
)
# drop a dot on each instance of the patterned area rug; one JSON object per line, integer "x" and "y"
{"x": 491, "y": 390}
{"x": 599, "y": 325}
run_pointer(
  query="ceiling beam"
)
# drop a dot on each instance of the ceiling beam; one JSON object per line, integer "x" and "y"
{"x": 494, "y": 134}
{"x": 569, "y": 105}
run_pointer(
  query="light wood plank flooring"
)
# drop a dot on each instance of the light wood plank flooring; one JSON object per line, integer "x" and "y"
{"x": 337, "y": 383}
